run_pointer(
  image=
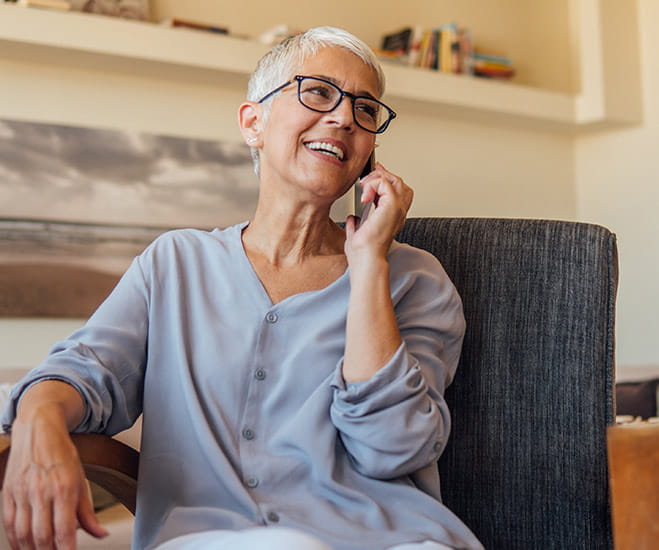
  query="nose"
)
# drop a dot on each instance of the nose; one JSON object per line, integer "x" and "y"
{"x": 342, "y": 114}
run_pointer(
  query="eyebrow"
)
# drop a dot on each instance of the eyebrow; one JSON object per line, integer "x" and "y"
{"x": 361, "y": 93}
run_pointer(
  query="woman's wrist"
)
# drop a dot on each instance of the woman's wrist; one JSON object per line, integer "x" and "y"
{"x": 50, "y": 400}
{"x": 368, "y": 265}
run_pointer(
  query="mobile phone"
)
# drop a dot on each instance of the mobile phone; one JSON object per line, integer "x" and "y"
{"x": 368, "y": 167}
{"x": 362, "y": 209}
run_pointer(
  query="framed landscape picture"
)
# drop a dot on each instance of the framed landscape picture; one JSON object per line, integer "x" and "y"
{"x": 77, "y": 204}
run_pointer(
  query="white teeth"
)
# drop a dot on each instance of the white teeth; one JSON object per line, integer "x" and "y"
{"x": 326, "y": 148}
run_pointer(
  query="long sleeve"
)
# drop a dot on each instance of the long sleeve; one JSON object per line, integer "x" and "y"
{"x": 104, "y": 360}
{"x": 398, "y": 422}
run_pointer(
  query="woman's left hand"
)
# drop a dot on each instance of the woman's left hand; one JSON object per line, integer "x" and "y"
{"x": 392, "y": 200}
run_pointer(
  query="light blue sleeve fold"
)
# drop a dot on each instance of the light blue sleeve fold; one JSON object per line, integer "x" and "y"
{"x": 397, "y": 422}
{"x": 104, "y": 360}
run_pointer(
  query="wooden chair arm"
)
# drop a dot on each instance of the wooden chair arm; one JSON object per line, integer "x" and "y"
{"x": 633, "y": 451}
{"x": 107, "y": 462}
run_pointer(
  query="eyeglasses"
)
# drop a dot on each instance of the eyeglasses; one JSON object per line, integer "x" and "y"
{"x": 322, "y": 96}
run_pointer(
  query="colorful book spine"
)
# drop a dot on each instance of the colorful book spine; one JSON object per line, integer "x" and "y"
{"x": 492, "y": 66}
{"x": 415, "y": 46}
{"x": 447, "y": 38}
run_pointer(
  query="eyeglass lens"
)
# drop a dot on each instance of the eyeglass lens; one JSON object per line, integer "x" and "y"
{"x": 320, "y": 95}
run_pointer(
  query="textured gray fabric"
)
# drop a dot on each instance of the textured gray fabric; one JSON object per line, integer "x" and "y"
{"x": 526, "y": 467}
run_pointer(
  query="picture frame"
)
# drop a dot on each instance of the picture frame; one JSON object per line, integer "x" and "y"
{"x": 78, "y": 204}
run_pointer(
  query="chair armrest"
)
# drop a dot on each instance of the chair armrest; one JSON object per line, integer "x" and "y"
{"x": 107, "y": 462}
{"x": 633, "y": 451}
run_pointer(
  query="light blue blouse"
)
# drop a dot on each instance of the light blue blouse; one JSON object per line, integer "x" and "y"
{"x": 247, "y": 419}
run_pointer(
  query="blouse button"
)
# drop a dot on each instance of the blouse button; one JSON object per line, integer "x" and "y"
{"x": 273, "y": 517}
{"x": 271, "y": 317}
{"x": 259, "y": 374}
{"x": 252, "y": 482}
{"x": 248, "y": 434}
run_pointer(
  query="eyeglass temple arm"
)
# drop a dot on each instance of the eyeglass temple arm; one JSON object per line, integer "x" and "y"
{"x": 273, "y": 92}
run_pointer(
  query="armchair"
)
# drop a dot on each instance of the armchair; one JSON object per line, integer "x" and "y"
{"x": 526, "y": 465}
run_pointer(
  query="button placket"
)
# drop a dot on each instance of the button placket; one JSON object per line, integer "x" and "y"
{"x": 252, "y": 415}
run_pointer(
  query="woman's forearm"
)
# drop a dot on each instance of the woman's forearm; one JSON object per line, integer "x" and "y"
{"x": 372, "y": 335}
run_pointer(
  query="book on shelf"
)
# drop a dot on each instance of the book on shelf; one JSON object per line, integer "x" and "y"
{"x": 492, "y": 58}
{"x": 447, "y": 40}
{"x": 428, "y": 58}
{"x": 395, "y": 46}
{"x": 424, "y": 58}
{"x": 62, "y": 5}
{"x": 492, "y": 66}
{"x": 195, "y": 25}
{"x": 465, "y": 52}
{"x": 414, "y": 50}
{"x": 398, "y": 41}
{"x": 447, "y": 48}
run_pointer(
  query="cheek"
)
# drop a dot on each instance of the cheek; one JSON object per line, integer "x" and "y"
{"x": 368, "y": 146}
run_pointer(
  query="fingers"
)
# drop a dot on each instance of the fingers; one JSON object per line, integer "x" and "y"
{"x": 351, "y": 226}
{"x": 63, "y": 513}
{"x": 87, "y": 518}
{"x": 43, "y": 502}
{"x": 9, "y": 517}
{"x": 380, "y": 181}
{"x": 17, "y": 517}
{"x": 371, "y": 239}
{"x": 30, "y": 516}
{"x": 391, "y": 196}
{"x": 42, "y": 525}
{"x": 46, "y": 523}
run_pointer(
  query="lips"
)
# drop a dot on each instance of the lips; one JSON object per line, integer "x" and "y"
{"x": 327, "y": 148}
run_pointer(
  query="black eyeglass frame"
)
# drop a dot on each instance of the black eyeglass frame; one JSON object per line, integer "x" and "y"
{"x": 300, "y": 78}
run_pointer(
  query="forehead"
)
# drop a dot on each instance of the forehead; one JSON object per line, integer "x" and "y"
{"x": 342, "y": 67}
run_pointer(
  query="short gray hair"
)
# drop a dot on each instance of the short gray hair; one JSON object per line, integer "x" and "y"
{"x": 279, "y": 64}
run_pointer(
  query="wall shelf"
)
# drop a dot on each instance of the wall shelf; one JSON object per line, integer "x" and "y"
{"x": 112, "y": 44}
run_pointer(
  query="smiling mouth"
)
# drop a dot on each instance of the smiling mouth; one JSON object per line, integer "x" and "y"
{"x": 326, "y": 148}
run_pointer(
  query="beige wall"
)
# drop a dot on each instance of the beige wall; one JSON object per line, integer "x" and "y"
{"x": 512, "y": 27}
{"x": 617, "y": 182}
{"x": 457, "y": 168}
{"x": 463, "y": 169}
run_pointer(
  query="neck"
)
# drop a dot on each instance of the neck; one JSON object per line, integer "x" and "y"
{"x": 289, "y": 233}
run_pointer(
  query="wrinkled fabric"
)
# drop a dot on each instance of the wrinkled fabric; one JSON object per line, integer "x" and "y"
{"x": 247, "y": 419}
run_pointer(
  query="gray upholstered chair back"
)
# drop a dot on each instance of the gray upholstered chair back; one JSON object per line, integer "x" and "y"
{"x": 526, "y": 466}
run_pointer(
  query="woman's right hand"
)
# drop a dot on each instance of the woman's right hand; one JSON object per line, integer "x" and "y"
{"x": 45, "y": 494}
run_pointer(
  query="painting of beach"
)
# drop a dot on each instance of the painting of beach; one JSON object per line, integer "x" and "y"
{"x": 78, "y": 204}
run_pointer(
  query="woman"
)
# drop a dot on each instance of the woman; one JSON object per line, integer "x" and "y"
{"x": 291, "y": 374}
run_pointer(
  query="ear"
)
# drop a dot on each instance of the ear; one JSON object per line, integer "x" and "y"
{"x": 249, "y": 120}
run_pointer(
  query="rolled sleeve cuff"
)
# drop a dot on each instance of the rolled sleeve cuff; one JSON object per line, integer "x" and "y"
{"x": 21, "y": 387}
{"x": 397, "y": 366}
